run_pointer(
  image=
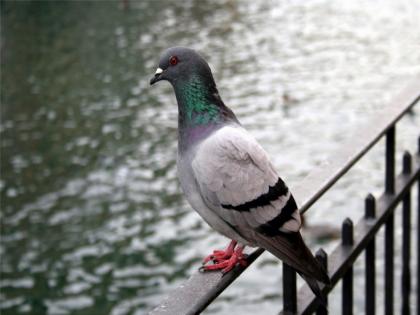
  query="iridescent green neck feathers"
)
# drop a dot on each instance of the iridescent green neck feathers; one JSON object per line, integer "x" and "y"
{"x": 197, "y": 102}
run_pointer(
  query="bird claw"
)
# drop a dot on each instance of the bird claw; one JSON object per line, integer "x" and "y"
{"x": 201, "y": 269}
{"x": 217, "y": 256}
{"x": 228, "y": 264}
{"x": 220, "y": 255}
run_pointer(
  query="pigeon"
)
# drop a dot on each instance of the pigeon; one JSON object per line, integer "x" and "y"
{"x": 228, "y": 178}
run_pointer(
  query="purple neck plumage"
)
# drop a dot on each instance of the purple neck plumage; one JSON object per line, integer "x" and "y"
{"x": 201, "y": 111}
{"x": 200, "y": 132}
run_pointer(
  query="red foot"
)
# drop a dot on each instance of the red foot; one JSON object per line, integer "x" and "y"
{"x": 227, "y": 265}
{"x": 220, "y": 255}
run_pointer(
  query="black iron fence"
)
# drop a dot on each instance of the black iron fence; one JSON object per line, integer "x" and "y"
{"x": 202, "y": 288}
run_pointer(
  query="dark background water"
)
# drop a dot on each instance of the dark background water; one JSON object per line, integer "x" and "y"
{"x": 92, "y": 217}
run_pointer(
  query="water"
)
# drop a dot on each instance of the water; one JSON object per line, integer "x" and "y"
{"x": 92, "y": 217}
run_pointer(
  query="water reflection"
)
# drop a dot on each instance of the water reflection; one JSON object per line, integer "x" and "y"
{"x": 93, "y": 221}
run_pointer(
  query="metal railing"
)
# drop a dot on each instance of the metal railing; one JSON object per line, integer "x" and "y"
{"x": 202, "y": 288}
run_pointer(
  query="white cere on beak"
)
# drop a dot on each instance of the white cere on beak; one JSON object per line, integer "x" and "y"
{"x": 158, "y": 71}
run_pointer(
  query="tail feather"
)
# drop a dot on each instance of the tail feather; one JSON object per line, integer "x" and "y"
{"x": 290, "y": 248}
{"x": 313, "y": 284}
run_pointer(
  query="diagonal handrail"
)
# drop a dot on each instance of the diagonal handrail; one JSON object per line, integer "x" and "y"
{"x": 201, "y": 289}
{"x": 365, "y": 231}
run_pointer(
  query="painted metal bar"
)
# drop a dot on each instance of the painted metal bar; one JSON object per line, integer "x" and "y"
{"x": 406, "y": 242}
{"x": 389, "y": 266}
{"x": 347, "y": 295}
{"x": 418, "y": 247}
{"x": 364, "y": 232}
{"x": 289, "y": 290}
{"x": 389, "y": 225}
{"x": 370, "y": 269}
{"x": 201, "y": 289}
{"x": 322, "y": 257}
{"x": 418, "y": 237}
{"x": 390, "y": 161}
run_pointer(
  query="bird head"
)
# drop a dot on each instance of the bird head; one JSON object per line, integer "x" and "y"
{"x": 177, "y": 64}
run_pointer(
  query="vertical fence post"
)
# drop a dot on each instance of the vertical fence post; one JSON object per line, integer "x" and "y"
{"x": 418, "y": 247}
{"x": 389, "y": 266}
{"x": 370, "y": 271}
{"x": 289, "y": 290}
{"x": 322, "y": 257}
{"x": 389, "y": 225}
{"x": 347, "y": 240}
{"x": 390, "y": 161}
{"x": 406, "y": 222}
{"x": 418, "y": 236}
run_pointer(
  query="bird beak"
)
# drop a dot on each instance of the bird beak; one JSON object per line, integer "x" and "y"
{"x": 157, "y": 76}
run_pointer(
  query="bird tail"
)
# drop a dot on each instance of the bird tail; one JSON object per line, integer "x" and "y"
{"x": 290, "y": 248}
{"x": 313, "y": 284}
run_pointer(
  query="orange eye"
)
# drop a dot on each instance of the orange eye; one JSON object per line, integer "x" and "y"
{"x": 173, "y": 60}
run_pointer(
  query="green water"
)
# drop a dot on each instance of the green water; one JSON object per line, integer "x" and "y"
{"x": 92, "y": 217}
{"x": 70, "y": 125}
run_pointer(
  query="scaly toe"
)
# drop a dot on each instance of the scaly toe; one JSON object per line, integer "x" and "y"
{"x": 217, "y": 266}
{"x": 207, "y": 259}
{"x": 217, "y": 256}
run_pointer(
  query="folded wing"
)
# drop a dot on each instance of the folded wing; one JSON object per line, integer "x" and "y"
{"x": 238, "y": 181}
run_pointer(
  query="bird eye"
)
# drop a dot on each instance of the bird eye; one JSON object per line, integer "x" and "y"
{"x": 173, "y": 60}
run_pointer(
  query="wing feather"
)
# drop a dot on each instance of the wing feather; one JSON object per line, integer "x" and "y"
{"x": 239, "y": 182}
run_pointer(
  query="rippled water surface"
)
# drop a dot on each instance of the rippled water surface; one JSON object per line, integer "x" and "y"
{"x": 92, "y": 217}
